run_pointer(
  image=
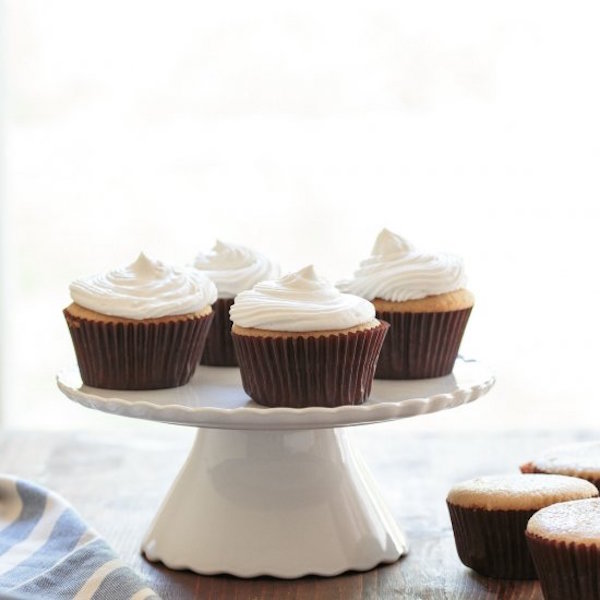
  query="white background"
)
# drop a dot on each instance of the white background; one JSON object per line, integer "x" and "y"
{"x": 301, "y": 129}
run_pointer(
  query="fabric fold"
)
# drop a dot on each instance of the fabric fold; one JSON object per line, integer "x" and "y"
{"x": 48, "y": 551}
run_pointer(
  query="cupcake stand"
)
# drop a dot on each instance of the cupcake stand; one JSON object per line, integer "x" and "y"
{"x": 275, "y": 491}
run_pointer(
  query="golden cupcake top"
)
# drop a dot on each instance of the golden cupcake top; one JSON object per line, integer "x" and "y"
{"x": 458, "y": 300}
{"x": 577, "y": 521}
{"x": 519, "y": 491}
{"x": 581, "y": 460}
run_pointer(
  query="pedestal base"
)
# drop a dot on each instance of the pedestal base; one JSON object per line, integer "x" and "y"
{"x": 280, "y": 503}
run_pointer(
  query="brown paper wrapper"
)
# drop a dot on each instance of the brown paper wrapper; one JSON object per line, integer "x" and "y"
{"x": 527, "y": 468}
{"x": 492, "y": 542}
{"x": 421, "y": 345}
{"x": 137, "y": 355}
{"x": 330, "y": 370}
{"x": 219, "y": 350}
{"x": 531, "y": 468}
{"x": 567, "y": 571}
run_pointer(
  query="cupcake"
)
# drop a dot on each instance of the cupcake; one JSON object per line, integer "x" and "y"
{"x": 423, "y": 298}
{"x": 140, "y": 327}
{"x": 300, "y": 342}
{"x": 564, "y": 541}
{"x": 489, "y": 516}
{"x": 232, "y": 269}
{"x": 578, "y": 460}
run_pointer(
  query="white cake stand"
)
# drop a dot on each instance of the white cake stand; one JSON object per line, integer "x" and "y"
{"x": 275, "y": 491}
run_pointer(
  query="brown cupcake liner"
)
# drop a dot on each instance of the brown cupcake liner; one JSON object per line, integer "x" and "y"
{"x": 219, "y": 350}
{"x": 531, "y": 468}
{"x": 492, "y": 542}
{"x": 421, "y": 345}
{"x": 137, "y": 355}
{"x": 527, "y": 468}
{"x": 567, "y": 571}
{"x": 330, "y": 370}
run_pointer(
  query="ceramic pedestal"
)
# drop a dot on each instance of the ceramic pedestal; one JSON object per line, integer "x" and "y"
{"x": 281, "y": 503}
{"x": 275, "y": 491}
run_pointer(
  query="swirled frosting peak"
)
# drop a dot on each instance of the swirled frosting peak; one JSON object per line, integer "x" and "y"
{"x": 234, "y": 268}
{"x": 300, "y": 301}
{"x": 397, "y": 271}
{"x": 145, "y": 289}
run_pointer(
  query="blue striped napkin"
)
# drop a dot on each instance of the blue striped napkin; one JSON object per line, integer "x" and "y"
{"x": 48, "y": 552}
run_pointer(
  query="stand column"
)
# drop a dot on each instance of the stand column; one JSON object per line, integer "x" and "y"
{"x": 280, "y": 503}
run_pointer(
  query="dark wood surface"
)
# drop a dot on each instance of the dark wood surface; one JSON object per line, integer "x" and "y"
{"x": 117, "y": 480}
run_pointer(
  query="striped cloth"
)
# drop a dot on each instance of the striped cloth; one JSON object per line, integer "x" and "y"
{"x": 47, "y": 552}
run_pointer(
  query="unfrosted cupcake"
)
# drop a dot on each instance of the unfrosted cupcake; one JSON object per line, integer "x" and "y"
{"x": 489, "y": 516}
{"x": 300, "y": 342}
{"x": 140, "y": 327}
{"x": 233, "y": 269}
{"x": 564, "y": 541}
{"x": 578, "y": 460}
{"x": 423, "y": 298}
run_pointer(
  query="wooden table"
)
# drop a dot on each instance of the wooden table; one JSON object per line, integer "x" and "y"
{"x": 117, "y": 480}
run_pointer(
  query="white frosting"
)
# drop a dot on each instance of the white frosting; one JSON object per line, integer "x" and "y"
{"x": 577, "y": 521}
{"x": 234, "y": 269}
{"x": 300, "y": 301}
{"x": 396, "y": 271}
{"x": 518, "y": 491}
{"x": 571, "y": 459}
{"x": 145, "y": 289}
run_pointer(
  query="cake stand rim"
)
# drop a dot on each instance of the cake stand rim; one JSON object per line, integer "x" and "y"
{"x": 282, "y": 418}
